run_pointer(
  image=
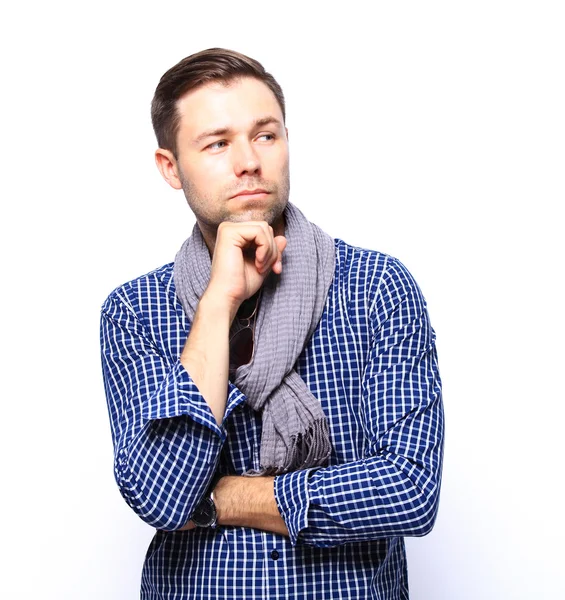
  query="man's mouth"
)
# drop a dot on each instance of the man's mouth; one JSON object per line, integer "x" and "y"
{"x": 258, "y": 192}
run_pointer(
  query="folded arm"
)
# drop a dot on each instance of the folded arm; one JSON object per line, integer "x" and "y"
{"x": 394, "y": 489}
{"x": 393, "y": 492}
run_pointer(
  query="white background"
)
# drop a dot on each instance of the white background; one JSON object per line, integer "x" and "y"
{"x": 433, "y": 131}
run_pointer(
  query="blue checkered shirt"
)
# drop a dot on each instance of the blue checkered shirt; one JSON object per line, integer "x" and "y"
{"x": 371, "y": 363}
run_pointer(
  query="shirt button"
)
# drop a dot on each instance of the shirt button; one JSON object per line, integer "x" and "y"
{"x": 275, "y": 555}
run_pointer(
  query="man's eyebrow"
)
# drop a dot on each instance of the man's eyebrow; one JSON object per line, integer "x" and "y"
{"x": 267, "y": 121}
{"x": 226, "y": 130}
{"x": 212, "y": 133}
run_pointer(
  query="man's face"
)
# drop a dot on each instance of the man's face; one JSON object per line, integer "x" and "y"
{"x": 232, "y": 158}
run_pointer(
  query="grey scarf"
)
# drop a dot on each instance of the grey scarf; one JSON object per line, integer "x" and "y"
{"x": 294, "y": 428}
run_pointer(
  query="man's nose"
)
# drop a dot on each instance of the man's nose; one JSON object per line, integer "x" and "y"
{"x": 246, "y": 160}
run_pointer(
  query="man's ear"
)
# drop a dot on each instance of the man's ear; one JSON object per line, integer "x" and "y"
{"x": 167, "y": 165}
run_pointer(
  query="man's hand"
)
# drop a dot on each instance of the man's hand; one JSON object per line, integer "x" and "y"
{"x": 244, "y": 254}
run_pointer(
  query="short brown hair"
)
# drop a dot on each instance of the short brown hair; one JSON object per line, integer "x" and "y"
{"x": 214, "y": 64}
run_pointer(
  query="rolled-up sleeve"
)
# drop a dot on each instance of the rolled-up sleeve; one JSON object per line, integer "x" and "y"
{"x": 166, "y": 440}
{"x": 393, "y": 490}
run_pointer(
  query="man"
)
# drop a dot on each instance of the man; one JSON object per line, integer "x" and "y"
{"x": 274, "y": 395}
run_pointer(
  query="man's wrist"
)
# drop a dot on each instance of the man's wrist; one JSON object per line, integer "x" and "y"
{"x": 215, "y": 307}
{"x": 206, "y": 514}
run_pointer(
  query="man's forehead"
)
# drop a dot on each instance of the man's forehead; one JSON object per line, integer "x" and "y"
{"x": 218, "y": 104}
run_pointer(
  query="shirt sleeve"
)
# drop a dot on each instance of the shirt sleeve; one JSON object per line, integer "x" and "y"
{"x": 166, "y": 440}
{"x": 394, "y": 489}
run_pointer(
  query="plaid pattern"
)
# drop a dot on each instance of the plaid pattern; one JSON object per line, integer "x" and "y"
{"x": 372, "y": 364}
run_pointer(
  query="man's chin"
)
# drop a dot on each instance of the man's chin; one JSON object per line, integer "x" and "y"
{"x": 272, "y": 215}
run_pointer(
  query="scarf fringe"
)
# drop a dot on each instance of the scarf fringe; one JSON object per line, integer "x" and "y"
{"x": 308, "y": 449}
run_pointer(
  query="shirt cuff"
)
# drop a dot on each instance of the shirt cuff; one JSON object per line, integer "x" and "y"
{"x": 179, "y": 396}
{"x": 292, "y": 496}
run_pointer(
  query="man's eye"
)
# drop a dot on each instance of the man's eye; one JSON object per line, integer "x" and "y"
{"x": 266, "y": 137}
{"x": 217, "y": 145}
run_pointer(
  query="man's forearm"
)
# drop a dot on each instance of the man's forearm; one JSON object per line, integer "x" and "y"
{"x": 206, "y": 353}
{"x": 248, "y": 502}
